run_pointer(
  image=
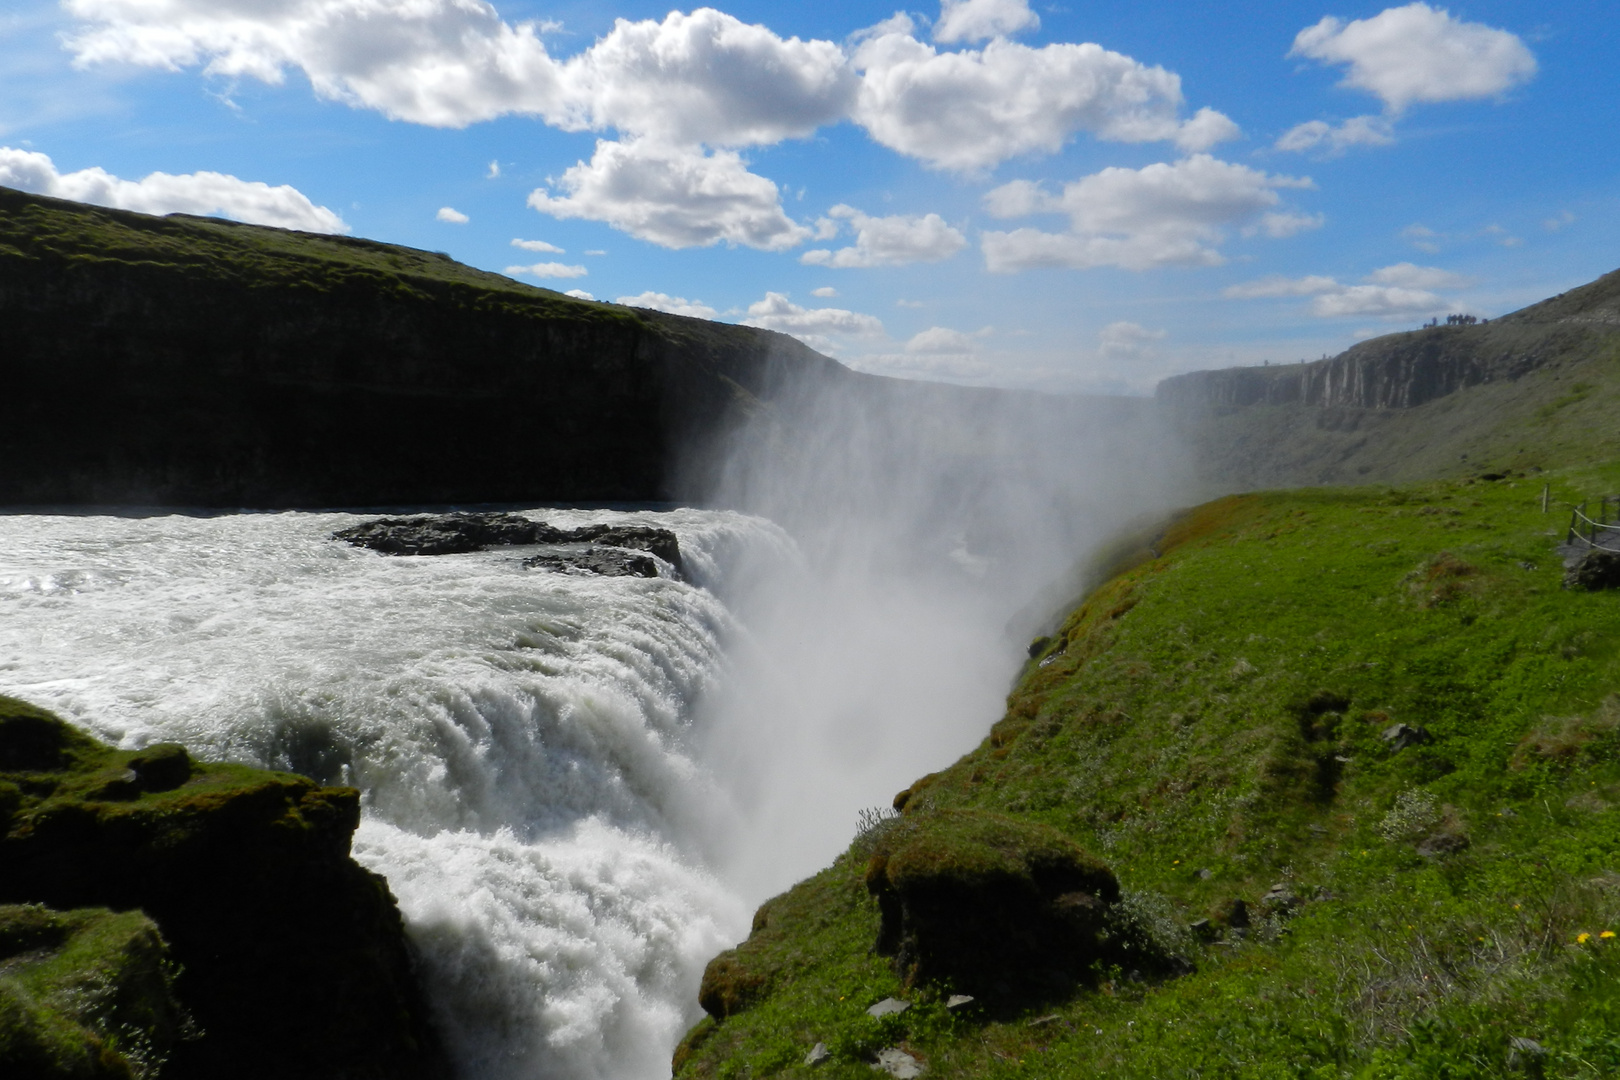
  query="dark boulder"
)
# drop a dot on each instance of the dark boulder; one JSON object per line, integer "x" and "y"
{"x": 729, "y": 986}
{"x": 447, "y": 534}
{"x": 1594, "y": 570}
{"x": 985, "y": 900}
{"x": 659, "y": 542}
{"x": 161, "y": 767}
{"x": 606, "y": 561}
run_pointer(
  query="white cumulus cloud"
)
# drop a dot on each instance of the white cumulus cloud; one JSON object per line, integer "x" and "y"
{"x": 548, "y": 270}
{"x": 708, "y": 78}
{"x": 941, "y": 339}
{"x": 452, "y": 215}
{"x": 579, "y": 294}
{"x": 446, "y": 63}
{"x": 1412, "y": 276}
{"x": 674, "y": 196}
{"x": 1205, "y": 129}
{"x": 1163, "y": 214}
{"x": 816, "y": 327}
{"x": 826, "y": 292}
{"x": 1401, "y": 290}
{"x": 539, "y": 246}
{"x": 209, "y": 194}
{"x": 1418, "y": 53}
{"x": 675, "y": 305}
{"x": 1386, "y": 300}
{"x": 978, "y": 20}
{"x": 889, "y": 241}
{"x": 699, "y": 77}
{"x": 971, "y": 109}
{"x": 1330, "y": 140}
{"x": 700, "y": 85}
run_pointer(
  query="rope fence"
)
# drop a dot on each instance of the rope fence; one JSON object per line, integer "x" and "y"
{"x": 1588, "y": 531}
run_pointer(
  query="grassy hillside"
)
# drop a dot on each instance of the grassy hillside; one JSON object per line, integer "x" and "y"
{"x": 1211, "y": 724}
{"x": 1539, "y": 387}
{"x": 34, "y": 227}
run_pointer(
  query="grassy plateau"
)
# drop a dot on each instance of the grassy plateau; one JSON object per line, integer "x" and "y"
{"x": 1219, "y": 723}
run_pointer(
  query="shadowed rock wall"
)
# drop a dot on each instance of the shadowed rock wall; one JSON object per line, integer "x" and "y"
{"x": 199, "y": 362}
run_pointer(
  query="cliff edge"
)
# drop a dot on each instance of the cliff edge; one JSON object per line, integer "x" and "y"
{"x": 279, "y": 955}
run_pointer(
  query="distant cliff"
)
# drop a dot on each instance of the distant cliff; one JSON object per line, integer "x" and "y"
{"x": 1537, "y": 387}
{"x": 1399, "y": 371}
{"x": 194, "y": 361}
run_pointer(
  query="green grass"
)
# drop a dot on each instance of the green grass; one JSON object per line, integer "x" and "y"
{"x": 80, "y": 784}
{"x": 34, "y": 227}
{"x": 85, "y": 993}
{"x": 1209, "y": 723}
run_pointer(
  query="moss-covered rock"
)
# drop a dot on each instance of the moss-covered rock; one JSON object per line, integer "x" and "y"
{"x": 989, "y": 901}
{"x": 293, "y": 957}
{"x": 85, "y": 993}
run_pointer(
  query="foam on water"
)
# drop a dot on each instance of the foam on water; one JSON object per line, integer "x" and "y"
{"x": 523, "y": 740}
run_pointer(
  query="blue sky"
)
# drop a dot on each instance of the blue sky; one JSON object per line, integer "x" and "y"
{"x": 1076, "y": 196}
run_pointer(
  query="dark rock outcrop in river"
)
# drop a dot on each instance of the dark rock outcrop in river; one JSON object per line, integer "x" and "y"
{"x": 449, "y": 534}
{"x": 606, "y": 561}
{"x": 292, "y": 959}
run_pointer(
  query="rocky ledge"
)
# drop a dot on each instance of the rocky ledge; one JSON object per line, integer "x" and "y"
{"x": 247, "y": 943}
{"x": 451, "y": 534}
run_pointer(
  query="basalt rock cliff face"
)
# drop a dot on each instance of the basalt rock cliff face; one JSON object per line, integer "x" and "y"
{"x": 192, "y": 361}
{"x": 1529, "y": 388}
{"x": 1398, "y": 371}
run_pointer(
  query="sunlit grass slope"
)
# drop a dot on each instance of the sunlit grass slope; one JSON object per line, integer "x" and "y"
{"x": 1211, "y": 723}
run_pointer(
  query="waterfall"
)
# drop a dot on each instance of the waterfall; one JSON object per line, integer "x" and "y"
{"x": 523, "y": 740}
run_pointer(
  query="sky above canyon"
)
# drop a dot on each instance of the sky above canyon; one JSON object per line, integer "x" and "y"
{"x": 1065, "y": 196}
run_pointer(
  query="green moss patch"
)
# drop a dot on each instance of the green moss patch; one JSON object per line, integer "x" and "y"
{"x": 86, "y": 993}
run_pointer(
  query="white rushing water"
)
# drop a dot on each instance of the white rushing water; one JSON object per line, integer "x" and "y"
{"x": 522, "y": 738}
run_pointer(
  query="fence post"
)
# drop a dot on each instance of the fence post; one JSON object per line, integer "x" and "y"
{"x": 1545, "y": 490}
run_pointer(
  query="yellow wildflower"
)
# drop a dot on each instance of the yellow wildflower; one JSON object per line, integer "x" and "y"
{"x": 1606, "y": 935}
{"x": 1582, "y": 938}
